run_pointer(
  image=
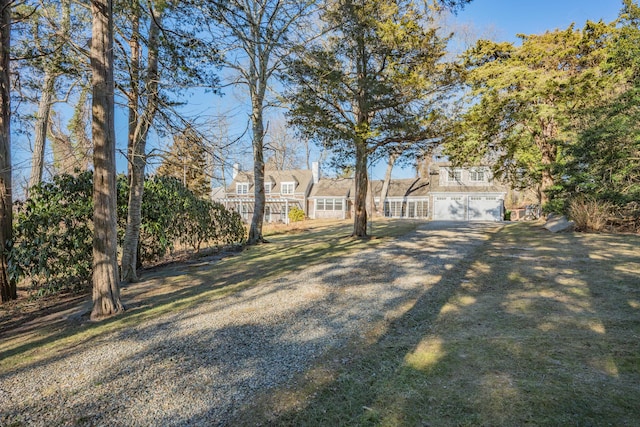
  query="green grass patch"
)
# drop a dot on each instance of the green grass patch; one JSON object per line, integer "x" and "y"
{"x": 534, "y": 328}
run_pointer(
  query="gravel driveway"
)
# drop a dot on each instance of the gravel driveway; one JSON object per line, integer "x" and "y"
{"x": 198, "y": 365}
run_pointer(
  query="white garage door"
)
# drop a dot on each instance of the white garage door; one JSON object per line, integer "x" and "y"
{"x": 449, "y": 208}
{"x": 485, "y": 208}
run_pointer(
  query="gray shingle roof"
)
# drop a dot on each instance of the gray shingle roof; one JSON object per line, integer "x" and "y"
{"x": 301, "y": 177}
{"x": 412, "y": 187}
{"x": 333, "y": 187}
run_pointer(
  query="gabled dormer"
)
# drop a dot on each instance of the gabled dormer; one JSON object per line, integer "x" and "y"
{"x": 269, "y": 184}
{"x": 288, "y": 185}
{"x": 242, "y": 188}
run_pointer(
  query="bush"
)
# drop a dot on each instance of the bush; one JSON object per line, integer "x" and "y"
{"x": 52, "y": 235}
{"x": 589, "y": 214}
{"x": 296, "y": 214}
{"x": 53, "y": 229}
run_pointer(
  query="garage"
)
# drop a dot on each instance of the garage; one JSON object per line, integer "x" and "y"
{"x": 485, "y": 208}
{"x": 449, "y": 208}
{"x": 464, "y": 207}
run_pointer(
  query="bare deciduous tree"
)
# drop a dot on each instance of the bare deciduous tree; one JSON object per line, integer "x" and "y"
{"x": 255, "y": 34}
{"x": 139, "y": 125}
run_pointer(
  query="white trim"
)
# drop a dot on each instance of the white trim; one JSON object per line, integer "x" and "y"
{"x": 242, "y": 188}
{"x": 292, "y": 184}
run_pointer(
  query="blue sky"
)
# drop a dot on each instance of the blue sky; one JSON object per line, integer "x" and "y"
{"x": 501, "y": 19}
{"x": 510, "y": 17}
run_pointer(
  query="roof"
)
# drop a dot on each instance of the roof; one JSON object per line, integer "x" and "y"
{"x": 333, "y": 187}
{"x": 301, "y": 177}
{"x": 218, "y": 193}
{"x": 412, "y": 187}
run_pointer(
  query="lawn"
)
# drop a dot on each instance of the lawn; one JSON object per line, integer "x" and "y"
{"x": 535, "y": 329}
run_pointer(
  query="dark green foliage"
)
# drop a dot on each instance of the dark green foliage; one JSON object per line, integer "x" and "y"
{"x": 523, "y": 98}
{"x": 186, "y": 161}
{"x": 173, "y": 214}
{"x": 53, "y": 229}
{"x": 602, "y": 164}
{"x": 53, "y": 234}
{"x": 604, "y": 161}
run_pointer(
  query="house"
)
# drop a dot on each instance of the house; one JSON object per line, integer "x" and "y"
{"x": 464, "y": 193}
{"x": 218, "y": 193}
{"x": 406, "y": 198}
{"x": 332, "y": 198}
{"x": 444, "y": 192}
{"x": 283, "y": 191}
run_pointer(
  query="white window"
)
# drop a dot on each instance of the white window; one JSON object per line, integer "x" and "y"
{"x": 329, "y": 204}
{"x": 287, "y": 187}
{"x": 242, "y": 188}
{"x": 477, "y": 175}
{"x": 267, "y": 188}
{"x": 394, "y": 208}
{"x": 454, "y": 175}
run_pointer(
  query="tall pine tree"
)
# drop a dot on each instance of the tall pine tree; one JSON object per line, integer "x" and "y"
{"x": 186, "y": 161}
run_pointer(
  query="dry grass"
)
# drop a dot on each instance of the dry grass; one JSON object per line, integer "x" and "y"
{"x": 590, "y": 215}
{"x": 535, "y": 329}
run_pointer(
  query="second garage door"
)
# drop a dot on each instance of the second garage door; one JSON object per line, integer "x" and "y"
{"x": 467, "y": 208}
{"x": 485, "y": 208}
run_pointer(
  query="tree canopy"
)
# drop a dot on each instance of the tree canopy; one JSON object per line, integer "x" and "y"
{"x": 603, "y": 163}
{"x": 375, "y": 83}
{"x": 523, "y": 98}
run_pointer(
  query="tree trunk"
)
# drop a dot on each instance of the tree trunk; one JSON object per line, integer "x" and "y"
{"x": 8, "y": 289}
{"x": 41, "y": 128}
{"x": 134, "y": 92}
{"x": 138, "y": 160}
{"x": 548, "y": 156}
{"x": 106, "y": 290}
{"x": 361, "y": 180}
{"x": 387, "y": 178}
{"x": 255, "y": 232}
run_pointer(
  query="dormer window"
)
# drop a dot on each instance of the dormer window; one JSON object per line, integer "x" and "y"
{"x": 454, "y": 175}
{"x": 267, "y": 187}
{"x": 287, "y": 187}
{"x": 477, "y": 175}
{"x": 242, "y": 188}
